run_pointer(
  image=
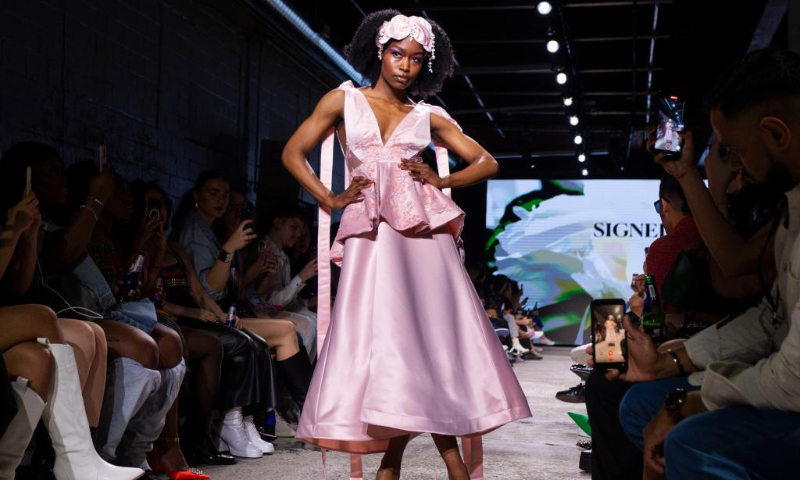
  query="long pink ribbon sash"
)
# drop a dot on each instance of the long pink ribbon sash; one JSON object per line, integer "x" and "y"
{"x": 471, "y": 446}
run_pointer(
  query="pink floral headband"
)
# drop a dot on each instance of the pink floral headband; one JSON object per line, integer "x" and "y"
{"x": 401, "y": 27}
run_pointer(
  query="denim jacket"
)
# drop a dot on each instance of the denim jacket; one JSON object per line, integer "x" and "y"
{"x": 83, "y": 286}
{"x": 200, "y": 243}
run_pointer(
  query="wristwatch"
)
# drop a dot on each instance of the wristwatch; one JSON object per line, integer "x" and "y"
{"x": 225, "y": 257}
{"x": 674, "y": 403}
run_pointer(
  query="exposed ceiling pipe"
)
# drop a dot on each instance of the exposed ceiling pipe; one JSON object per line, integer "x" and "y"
{"x": 289, "y": 15}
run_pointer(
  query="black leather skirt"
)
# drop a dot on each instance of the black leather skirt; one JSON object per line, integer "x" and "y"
{"x": 247, "y": 377}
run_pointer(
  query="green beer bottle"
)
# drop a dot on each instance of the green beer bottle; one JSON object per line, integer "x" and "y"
{"x": 653, "y": 314}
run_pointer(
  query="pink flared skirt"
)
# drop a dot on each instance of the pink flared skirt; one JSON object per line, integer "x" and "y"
{"x": 409, "y": 349}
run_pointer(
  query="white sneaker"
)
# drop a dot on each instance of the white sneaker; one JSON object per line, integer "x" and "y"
{"x": 234, "y": 435}
{"x": 547, "y": 341}
{"x": 255, "y": 438}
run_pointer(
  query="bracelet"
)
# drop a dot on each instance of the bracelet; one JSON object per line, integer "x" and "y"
{"x": 677, "y": 361}
{"x": 96, "y": 218}
{"x": 91, "y": 198}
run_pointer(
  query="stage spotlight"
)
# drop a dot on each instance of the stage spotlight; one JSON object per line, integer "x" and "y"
{"x": 582, "y": 158}
{"x": 568, "y": 102}
{"x": 553, "y": 46}
{"x": 544, "y": 8}
{"x": 585, "y": 172}
{"x": 578, "y": 139}
{"x": 573, "y": 120}
{"x": 561, "y": 78}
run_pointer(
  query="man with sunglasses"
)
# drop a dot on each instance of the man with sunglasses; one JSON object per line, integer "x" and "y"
{"x": 614, "y": 456}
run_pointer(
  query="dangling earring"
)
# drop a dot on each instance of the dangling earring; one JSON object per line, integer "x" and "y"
{"x": 380, "y": 53}
{"x": 196, "y": 206}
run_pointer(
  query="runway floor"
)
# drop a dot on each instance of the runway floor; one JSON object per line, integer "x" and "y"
{"x": 541, "y": 447}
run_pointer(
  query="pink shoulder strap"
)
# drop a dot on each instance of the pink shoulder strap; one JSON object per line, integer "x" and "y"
{"x": 471, "y": 446}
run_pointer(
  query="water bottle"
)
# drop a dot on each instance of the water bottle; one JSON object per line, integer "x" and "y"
{"x": 132, "y": 279}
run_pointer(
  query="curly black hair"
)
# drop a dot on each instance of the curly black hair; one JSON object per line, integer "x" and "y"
{"x": 362, "y": 53}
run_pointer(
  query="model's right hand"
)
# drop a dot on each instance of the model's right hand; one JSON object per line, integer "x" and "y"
{"x": 352, "y": 194}
{"x": 240, "y": 238}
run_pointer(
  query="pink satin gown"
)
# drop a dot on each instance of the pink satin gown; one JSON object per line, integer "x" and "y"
{"x": 409, "y": 348}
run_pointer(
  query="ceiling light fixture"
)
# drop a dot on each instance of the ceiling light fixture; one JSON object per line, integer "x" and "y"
{"x": 544, "y": 8}
{"x": 582, "y": 158}
{"x": 585, "y": 172}
{"x": 578, "y": 139}
{"x": 553, "y": 46}
{"x": 561, "y": 78}
{"x": 568, "y": 101}
{"x": 573, "y": 120}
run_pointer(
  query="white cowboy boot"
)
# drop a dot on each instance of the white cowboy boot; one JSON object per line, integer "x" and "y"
{"x": 19, "y": 432}
{"x": 65, "y": 418}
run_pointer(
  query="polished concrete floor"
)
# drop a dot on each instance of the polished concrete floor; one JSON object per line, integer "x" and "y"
{"x": 541, "y": 447}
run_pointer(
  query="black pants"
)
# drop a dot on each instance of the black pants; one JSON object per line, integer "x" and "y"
{"x": 614, "y": 456}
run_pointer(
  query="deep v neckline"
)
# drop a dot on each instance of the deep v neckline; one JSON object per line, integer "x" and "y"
{"x": 378, "y": 125}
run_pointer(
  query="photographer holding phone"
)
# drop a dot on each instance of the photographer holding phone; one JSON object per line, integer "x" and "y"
{"x": 742, "y": 420}
{"x": 615, "y": 457}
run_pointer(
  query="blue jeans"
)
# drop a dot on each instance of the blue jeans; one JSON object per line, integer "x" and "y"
{"x": 641, "y": 403}
{"x": 725, "y": 444}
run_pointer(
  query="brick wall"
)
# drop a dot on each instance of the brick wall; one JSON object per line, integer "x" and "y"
{"x": 172, "y": 87}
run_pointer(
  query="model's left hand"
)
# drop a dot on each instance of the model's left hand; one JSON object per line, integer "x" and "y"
{"x": 655, "y": 433}
{"x": 421, "y": 171}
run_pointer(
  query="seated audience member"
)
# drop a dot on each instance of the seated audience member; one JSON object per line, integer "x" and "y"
{"x": 259, "y": 265}
{"x": 87, "y": 339}
{"x": 527, "y": 335}
{"x": 211, "y": 259}
{"x": 33, "y": 344}
{"x": 732, "y": 407}
{"x": 299, "y": 255}
{"x": 73, "y": 283}
{"x": 230, "y": 383}
{"x": 118, "y": 240}
{"x": 281, "y": 291}
{"x": 614, "y": 456}
{"x": 130, "y": 308}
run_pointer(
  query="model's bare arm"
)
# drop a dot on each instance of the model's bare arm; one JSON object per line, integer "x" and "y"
{"x": 327, "y": 113}
{"x": 482, "y": 166}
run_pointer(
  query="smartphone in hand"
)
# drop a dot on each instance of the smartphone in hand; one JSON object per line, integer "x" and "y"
{"x": 248, "y": 213}
{"x": 609, "y": 341}
{"x": 670, "y": 112}
{"x": 28, "y": 186}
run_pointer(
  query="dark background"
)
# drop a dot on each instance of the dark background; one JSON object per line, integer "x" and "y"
{"x": 173, "y": 87}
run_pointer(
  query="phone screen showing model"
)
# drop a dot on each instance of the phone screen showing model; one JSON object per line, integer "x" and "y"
{"x": 670, "y": 122}
{"x": 608, "y": 334}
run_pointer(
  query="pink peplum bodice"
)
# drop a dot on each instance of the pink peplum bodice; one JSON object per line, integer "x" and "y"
{"x": 407, "y": 205}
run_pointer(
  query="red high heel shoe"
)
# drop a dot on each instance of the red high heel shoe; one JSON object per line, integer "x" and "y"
{"x": 158, "y": 466}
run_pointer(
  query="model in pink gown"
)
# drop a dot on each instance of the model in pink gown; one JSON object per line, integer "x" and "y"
{"x": 409, "y": 348}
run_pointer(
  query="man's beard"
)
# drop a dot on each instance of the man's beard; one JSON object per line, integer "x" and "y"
{"x": 778, "y": 176}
